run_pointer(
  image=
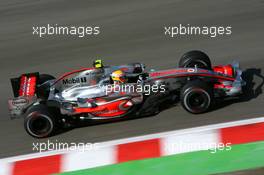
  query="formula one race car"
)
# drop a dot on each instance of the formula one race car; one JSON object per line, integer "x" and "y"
{"x": 47, "y": 103}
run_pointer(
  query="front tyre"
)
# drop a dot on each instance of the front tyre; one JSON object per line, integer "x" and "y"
{"x": 196, "y": 97}
{"x": 39, "y": 121}
{"x": 195, "y": 58}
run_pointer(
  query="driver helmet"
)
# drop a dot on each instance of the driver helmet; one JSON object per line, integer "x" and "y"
{"x": 98, "y": 64}
{"x": 118, "y": 76}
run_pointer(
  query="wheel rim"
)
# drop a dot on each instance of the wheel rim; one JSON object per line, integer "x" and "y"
{"x": 39, "y": 125}
{"x": 197, "y": 101}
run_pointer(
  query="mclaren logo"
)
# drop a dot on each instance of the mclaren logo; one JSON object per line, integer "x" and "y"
{"x": 74, "y": 80}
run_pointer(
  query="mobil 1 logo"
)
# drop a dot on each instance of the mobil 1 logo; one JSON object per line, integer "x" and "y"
{"x": 77, "y": 80}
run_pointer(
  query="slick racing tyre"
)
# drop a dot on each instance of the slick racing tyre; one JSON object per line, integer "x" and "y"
{"x": 43, "y": 89}
{"x": 195, "y": 58}
{"x": 196, "y": 97}
{"x": 39, "y": 122}
{"x": 45, "y": 77}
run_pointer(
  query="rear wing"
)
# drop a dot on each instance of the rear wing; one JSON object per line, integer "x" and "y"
{"x": 25, "y": 85}
{"x": 24, "y": 90}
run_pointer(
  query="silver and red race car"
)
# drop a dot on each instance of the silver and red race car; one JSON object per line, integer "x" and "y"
{"x": 48, "y": 103}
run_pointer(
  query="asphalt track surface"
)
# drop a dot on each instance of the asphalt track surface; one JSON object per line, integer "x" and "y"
{"x": 131, "y": 31}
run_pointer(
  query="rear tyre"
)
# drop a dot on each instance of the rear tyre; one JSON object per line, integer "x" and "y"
{"x": 39, "y": 121}
{"x": 43, "y": 89}
{"x": 45, "y": 77}
{"x": 195, "y": 58}
{"x": 196, "y": 97}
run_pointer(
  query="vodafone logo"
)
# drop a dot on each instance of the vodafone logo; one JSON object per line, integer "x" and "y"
{"x": 20, "y": 102}
{"x": 191, "y": 70}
